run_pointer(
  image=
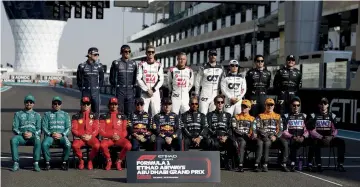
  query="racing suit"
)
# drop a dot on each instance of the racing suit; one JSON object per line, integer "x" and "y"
{"x": 322, "y": 130}
{"x": 294, "y": 127}
{"x": 85, "y": 123}
{"x": 208, "y": 83}
{"x": 270, "y": 124}
{"x": 123, "y": 79}
{"x": 167, "y": 125}
{"x": 180, "y": 82}
{"x": 90, "y": 78}
{"x": 150, "y": 76}
{"x": 140, "y": 123}
{"x": 26, "y": 121}
{"x": 258, "y": 83}
{"x": 114, "y": 123}
{"x": 194, "y": 125}
{"x": 219, "y": 126}
{"x": 243, "y": 125}
{"x": 233, "y": 86}
{"x": 286, "y": 82}
{"x": 56, "y": 122}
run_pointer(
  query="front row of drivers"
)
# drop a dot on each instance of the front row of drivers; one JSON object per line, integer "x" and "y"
{"x": 166, "y": 131}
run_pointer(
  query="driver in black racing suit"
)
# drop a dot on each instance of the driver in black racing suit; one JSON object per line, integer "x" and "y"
{"x": 194, "y": 127}
{"x": 287, "y": 82}
{"x": 258, "y": 82}
{"x": 220, "y": 131}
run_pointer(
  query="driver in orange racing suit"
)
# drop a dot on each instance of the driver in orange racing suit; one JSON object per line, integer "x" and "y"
{"x": 113, "y": 129}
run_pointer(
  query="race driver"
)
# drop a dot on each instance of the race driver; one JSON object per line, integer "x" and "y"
{"x": 123, "y": 78}
{"x": 27, "y": 129}
{"x": 295, "y": 130}
{"x": 194, "y": 127}
{"x": 321, "y": 126}
{"x": 258, "y": 82}
{"x": 269, "y": 130}
{"x": 287, "y": 82}
{"x": 233, "y": 86}
{"x": 85, "y": 129}
{"x": 167, "y": 128}
{"x": 220, "y": 131}
{"x": 150, "y": 77}
{"x": 243, "y": 125}
{"x": 90, "y": 78}
{"x": 113, "y": 130}
{"x": 207, "y": 83}
{"x": 180, "y": 80}
{"x": 56, "y": 127}
{"x": 139, "y": 128}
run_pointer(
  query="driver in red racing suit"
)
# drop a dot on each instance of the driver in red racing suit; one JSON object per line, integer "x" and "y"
{"x": 85, "y": 128}
{"x": 113, "y": 129}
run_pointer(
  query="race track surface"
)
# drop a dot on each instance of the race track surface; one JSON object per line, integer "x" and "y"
{"x": 12, "y": 101}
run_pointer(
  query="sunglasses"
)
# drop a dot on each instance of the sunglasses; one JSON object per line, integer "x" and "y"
{"x": 296, "y": 105}
{"x": 126, "y": 51}
{"x": 194, "y": 104}
{"x": 269, "y": 104}
{"x": 113, "y": 104}
{"x": 291, "y": 60}
{"x": 86, "y": 103}
{"x": 95, "y": 54}
{"x": 57, "y": 103}
{"x": 212, "y": 54}
{"x": 234, "y": 65}
{"x": 219, "y": 102}
{"x": 29, "y": 102}
{"x": 167, "y": 104}
{"x": 259, "y": 60}
{"x": 323, "y": 103}
{"x": 139, "y": 104}
{"x": 244, "y": 106}
{"x": 150, "y": 52}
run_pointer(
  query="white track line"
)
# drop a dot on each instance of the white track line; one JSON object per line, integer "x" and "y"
{"x": 355, "y": 139}
{"x": 320, "y": 178}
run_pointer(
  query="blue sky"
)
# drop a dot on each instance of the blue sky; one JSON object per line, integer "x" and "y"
{"x": 81, "y": 34}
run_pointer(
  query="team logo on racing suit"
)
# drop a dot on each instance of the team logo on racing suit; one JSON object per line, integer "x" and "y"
{"x": 108, "y": 121}
{"x": 180, "y": 82}
{"x": 119, "y": 116}
{"x": 91, "y": 116}
{"x": 212, "y": 78}
{"x": 149, "y": 78}
{"x": 80, "y": 121}
{"x": 233, "y": 85}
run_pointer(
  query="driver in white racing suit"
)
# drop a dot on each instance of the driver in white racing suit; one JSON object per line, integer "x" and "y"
{"x": 207, "y": 82}
{"x": 150, "y": 77}
{"x": 233, "y": 86}
{"x": 180, "y": 81}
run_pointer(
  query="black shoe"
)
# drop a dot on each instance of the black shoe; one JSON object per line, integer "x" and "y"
{"x": 341, "y": 168}
{"x": 64, "y": 166}
{"x": 284, "y": 168}
{"x": 319, "y": 168}
{"x": 257, "y": 168}
{"x": 47, "y": 166}
{"x": 310, "y": 168}
{"x": 265, "y": 168}
{"x": 228, "y": 165}
{"x": 240, "y": 169}
{"x": 292, "y": 168}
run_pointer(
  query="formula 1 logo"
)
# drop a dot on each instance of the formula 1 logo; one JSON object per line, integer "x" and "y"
{"x": 212, "y": 78}
{"x": 233, "y": 85}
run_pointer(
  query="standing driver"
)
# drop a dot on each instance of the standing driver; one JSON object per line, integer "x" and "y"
{"x": 287, "y": 82}
{"x": 123, "y": 78}
{"x": 90, "y": 77}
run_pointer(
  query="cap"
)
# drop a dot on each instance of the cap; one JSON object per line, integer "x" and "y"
{"x": 212, "y": 51}
{"x": 290, "y": 57}
{"x": 92, "y": 50}
{"x": 324, "y": 99}
{"x": 113, "y": 100}
{"x": 269, "y": 101}
{"x": 246, "y": 103}
{"x": 234, "y": 62}
{"x": 166, "y": 101}
{"x": 124, "y": 47}
{"x": 139, "y": 100}
{"x": 57, "y": 98}
{"x": 29, "y": 98}
{"x": 296, "y": 99}
{"x": 85, "y": 99}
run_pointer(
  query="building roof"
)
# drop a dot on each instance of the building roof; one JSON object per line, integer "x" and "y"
{"x": 154, "y": 6}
